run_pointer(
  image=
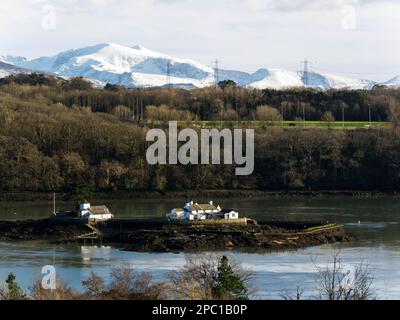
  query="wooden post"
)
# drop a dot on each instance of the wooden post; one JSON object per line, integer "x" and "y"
{"x": 54, "y": 203}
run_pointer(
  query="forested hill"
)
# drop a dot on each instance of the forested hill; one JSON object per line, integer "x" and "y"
{"x": 226, "y": 102}
{"x": 58, "y": 135}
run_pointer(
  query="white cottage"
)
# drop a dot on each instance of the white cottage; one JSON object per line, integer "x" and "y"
{"x": 195, "y": 211}
{"x": 97, "y": 213}
{"x": 230, "y": 214}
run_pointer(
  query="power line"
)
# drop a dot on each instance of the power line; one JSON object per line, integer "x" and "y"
{"x": 169, "y": 74}
{"x": 216, "y": 71}
{"x": 306, "y": 69}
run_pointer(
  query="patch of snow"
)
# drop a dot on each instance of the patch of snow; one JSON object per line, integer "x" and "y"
{"x": 275, "y": 79}
{"x": 4, "y": 73}
{"x": 14, "y": 60}
{"x": 7, "y": 69}
{"x": 394, "y": 82}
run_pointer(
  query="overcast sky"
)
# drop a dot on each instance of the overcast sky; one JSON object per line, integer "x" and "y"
{"x": 355, "y": 38}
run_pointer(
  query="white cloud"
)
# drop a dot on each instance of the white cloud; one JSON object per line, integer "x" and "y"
{"x": 307, "y": 5}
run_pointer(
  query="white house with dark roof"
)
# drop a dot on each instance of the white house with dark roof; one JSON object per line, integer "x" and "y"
{"x": 97, "y": 213}
{"x": 195, "y": 211}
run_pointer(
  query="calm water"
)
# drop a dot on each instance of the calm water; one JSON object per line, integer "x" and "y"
{"x": 378, "y": 242}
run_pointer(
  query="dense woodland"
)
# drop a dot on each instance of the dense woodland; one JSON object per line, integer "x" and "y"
{"x": 224, "y": 102}
{"x": 67, "y": 136}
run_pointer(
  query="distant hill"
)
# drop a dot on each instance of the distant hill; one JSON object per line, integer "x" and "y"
{"x": 15, "y": 60}
{"x": 394, "y": 82}
{"x": 7, "y": 69}
{"x": 140, "y": 67}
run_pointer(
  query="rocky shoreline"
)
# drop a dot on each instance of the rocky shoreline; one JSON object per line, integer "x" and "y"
{"x": 161, "y": 236}
{"x": 44, "y": 229}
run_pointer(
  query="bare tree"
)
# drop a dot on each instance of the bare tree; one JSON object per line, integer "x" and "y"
{"x": 95, "y": 286}
{"x": 336, "y": 283}
{"x": 328, "y": 118}
{"x": 62, "y": 292}
{"x": 197, "y": 279}
{"x": 394, "y": 112}
{"x": 287, "y": 295}
{"x": 267, "y": 113}
{"x": 127, "y": 284}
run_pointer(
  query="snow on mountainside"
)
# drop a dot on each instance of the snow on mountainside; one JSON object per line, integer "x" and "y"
{"x": 276, "y": 79}
{"x": 241, "y": 78}
{"x": 395, "y": 82}
{"x": 281, "y": 79}
{"x": 140, "y": 67}
{"x": 15, "y": 60}
{"x": 7, "y": 69}
{"x": 132, "y": 67}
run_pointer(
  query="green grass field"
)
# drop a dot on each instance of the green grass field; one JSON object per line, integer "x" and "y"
{"x": 286, "y": 124}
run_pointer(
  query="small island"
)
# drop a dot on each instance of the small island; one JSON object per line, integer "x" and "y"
{"x": 196, "y": 227}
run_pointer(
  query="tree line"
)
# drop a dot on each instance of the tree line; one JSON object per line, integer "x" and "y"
{"x": 223, "y": 102}
{"x": 46, "y": 145}
{"x": 203, "y": 277}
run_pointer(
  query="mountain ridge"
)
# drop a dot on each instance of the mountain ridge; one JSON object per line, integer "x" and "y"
{"x": 138, "y": 66}
{"x": 7, "y": 69}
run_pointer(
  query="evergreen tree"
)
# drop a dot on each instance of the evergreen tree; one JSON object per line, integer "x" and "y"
{"x": 14, "y": 291}
{"x": 229, "y": 284}
{"x": 227, "y": 83}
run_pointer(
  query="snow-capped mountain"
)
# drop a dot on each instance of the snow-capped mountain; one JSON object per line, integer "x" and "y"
{"x": 140, "y": 67}
{"x": 281, "y": 79}
{"x": 395, "y": 82}
{"x": 131, "y": 67}
{"x": 15, "y": 60}
{"x": 7, "y": 69}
